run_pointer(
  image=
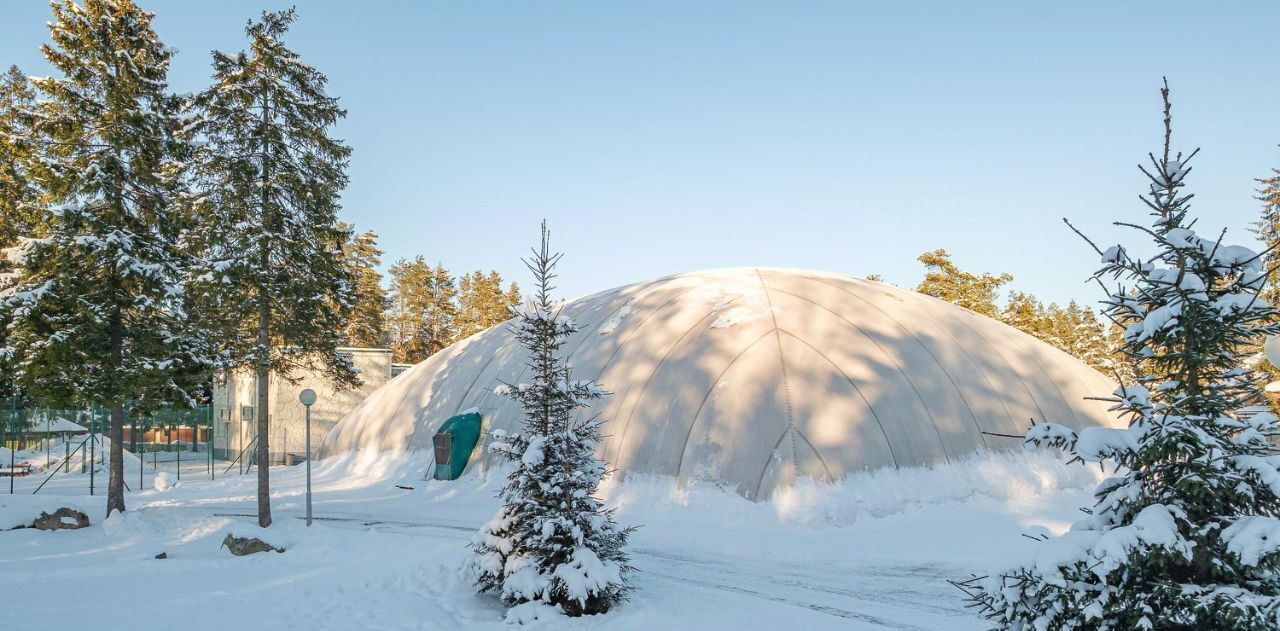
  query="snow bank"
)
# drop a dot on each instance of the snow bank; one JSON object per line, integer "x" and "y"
{"x": 1012, "y": 476}
{"x": 707, "y": 557}
{"x": 1002, "y": 476}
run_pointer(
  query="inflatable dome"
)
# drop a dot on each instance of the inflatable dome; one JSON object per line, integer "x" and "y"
{"x": 754, "y": 377}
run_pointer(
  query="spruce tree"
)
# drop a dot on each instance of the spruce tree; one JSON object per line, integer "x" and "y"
{"x": 1089, "y": 339}
{"x": 1025, "y": 313}
{"x": 20, "y": 211}
{"x": 1268, "y": 230}
{"x": 1073, "y": 330}
{"x": 19, "y": 196}
{"x": 367, "y": 325}
{"x": 552, "y": 546}
{"x": 276, "y": 276}
{"x": 1185, "y": 535}
{"x": 97, "y": 310}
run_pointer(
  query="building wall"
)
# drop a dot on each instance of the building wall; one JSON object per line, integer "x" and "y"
{"x": 235, "y": 402}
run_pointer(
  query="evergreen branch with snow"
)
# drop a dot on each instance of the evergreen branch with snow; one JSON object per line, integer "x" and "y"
{"x": 552, "y": 547}
{"x": 1184, "y": 535}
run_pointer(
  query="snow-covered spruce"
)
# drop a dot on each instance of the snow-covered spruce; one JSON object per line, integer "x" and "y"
{"x": 273, "y": 281}
{"x": 552, "y": 546}
{"x": 1185, "y": 535}
{"x": 95, "y": 302}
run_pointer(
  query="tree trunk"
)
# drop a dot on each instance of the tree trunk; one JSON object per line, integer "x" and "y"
{"x": 115, "y": 477}
{"x": 115, "y": 333}
{"x": 264, "y": 340}
{"x": 264, "y": 462}
{"x": 264, "y": 400}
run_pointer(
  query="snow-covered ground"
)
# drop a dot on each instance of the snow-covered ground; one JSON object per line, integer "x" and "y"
{"x": 873, "y": 552}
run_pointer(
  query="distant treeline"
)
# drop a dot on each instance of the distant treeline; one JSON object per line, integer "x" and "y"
{"x": 425, "y": 309}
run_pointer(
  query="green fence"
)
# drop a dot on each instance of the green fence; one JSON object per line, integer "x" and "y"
{"x": 26, "y": 425}
{"x": 27, "y": 422}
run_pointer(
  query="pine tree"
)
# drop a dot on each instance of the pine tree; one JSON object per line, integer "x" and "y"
{"x": 1185, "y": 535}
{"x": 1268, "y": 230}
{"x": 366, "y": 327}
{"x": 552, "y": 546}
{"x": 1117, "y": 364}
{"x": 410, "y": 293}
{"x": 510, "y": 299}
{"x": 945, "y": 281}
{"x": 1090, "y": 343}
{"x": 19, "y": 197}
{"x": 1073, "y": 330}
{"x": 482, "y": 303}
{"x": 276, "y": 276}
{"x": 440, "y": 326}
{"x": 20, "y": 209}
{"x": 1025, "y": 313}
{"x": 98, "y": 307}
{"x": 424, "y": 309}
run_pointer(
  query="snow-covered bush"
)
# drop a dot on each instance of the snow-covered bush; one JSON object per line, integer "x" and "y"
{"x": 552, "y": 546}
{"x": 1185, "y": 535}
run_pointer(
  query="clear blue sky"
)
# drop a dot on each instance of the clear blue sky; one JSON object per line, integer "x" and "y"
{"x": 660, "y": 137}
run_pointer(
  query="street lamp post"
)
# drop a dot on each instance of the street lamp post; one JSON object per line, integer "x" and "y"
{"x": 308, "y": 398}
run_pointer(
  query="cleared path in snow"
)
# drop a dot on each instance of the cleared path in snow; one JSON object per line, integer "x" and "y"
{"x": 909, "y": 597}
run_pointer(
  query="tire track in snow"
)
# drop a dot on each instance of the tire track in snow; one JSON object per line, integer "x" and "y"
{"x": 826, "y": 609}
{"x": 696, "y": 573}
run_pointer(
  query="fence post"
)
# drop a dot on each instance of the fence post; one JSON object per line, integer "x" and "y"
{"x": 93, "y": 423}
{"x": 13, "y": 421}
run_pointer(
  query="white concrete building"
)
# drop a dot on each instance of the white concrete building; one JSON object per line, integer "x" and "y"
{"x": 235, "y": 400}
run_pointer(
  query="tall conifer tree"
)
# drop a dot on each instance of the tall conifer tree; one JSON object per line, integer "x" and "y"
{"x": 441, "y": 327}
{"x": 366, "y": 327}
{"x": 276, "y": 274}
{"x": 98, "y": 307}
{"x": 424, "y": 309}
{"x": 19, "y": 197}
{"x": 1268, "y": 231}
{"x": 946, "y": 281}
{"x": 410, "y": 294}
{"x": 1186, "y": 534}
{"x": 482, "y": 302}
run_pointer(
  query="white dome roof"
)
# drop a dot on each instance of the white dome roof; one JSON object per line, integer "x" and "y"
{"x": 752, "y": 377}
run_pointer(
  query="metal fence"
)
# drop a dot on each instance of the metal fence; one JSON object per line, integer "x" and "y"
{"x": 28, "y": 426}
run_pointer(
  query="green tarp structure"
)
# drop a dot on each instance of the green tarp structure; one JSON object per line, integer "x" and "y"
{"x": 454, "y": 442}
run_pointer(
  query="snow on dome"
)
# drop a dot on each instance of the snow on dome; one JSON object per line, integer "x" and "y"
{"x": 753, "y": 377}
